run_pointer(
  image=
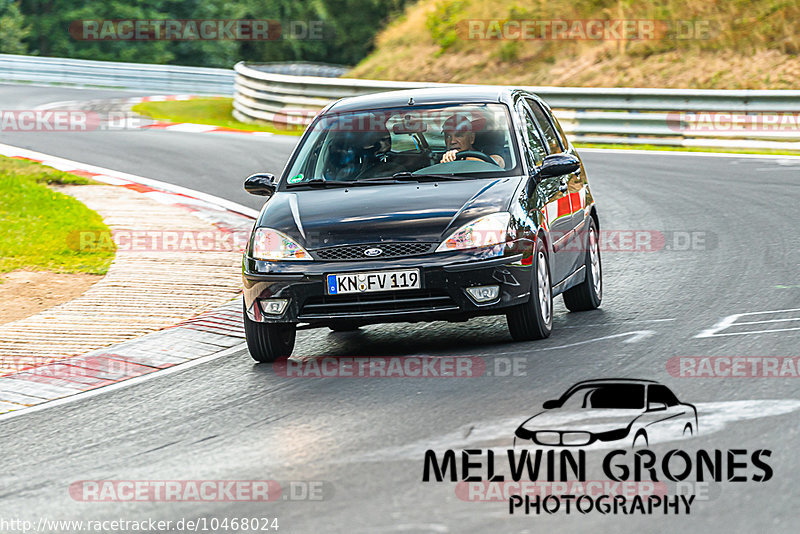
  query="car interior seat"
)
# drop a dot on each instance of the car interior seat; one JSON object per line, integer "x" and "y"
{"x": 492, "y": 141}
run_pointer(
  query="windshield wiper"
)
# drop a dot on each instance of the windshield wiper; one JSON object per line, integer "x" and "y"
{"x": 396, "y": 178}
{"x": 322, "y": 182}
{"x": 410, "y": 176}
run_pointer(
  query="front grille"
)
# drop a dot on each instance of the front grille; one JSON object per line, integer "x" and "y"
{"x": 418, "y": 301}
{"x": 388, "y": 250}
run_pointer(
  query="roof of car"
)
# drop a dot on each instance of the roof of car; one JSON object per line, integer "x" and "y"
{"x": 614, "y": 381}
{"x": 433, "y": 95}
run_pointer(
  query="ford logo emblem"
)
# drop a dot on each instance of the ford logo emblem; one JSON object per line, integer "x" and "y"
{"x": 372, "y": 252}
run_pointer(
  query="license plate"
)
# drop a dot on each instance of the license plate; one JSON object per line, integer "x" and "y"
{"x": 342, "y": 284}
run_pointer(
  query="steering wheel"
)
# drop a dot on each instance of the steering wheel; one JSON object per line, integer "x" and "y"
{"x": 464, "y": 154}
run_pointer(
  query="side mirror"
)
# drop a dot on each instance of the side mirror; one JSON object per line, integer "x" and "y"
{"x": 262, "y": 184}
{"x": 656, "y": 406}
{"x": 549, "y": 405}
{"x": 559, "y": 165}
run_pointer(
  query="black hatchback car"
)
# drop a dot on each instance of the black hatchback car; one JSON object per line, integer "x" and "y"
{"x": 422, "y": 205}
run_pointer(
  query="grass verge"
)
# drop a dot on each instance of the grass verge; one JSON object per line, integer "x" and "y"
{"x": 765, "y": 152}
{"x": 211, "y": 111}
{"x": 39, "y": 226}
{"x": 735, "y": 44}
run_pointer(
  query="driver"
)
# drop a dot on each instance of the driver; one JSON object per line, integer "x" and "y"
{"x": 459, "y": 135}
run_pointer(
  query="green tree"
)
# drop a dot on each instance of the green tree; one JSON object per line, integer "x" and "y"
{"x": 13, "y": 30}
{"x": 52, "y": 20}
{"x": 348, "y": 30}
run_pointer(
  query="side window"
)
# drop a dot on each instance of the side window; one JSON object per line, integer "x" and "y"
{"x": 662, "y": 394}
{"x": 536, "y": 148}
{"x": 548, "y": 130}
{"x": 561, "y": 134}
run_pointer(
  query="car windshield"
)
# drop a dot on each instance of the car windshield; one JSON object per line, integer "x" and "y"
{"x": 408, "y": 143}
{"x": 606, "y": 396}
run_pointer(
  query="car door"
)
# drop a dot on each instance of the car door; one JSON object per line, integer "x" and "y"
{"x": 556, "y": 210}
{"x": 569, "y": 246}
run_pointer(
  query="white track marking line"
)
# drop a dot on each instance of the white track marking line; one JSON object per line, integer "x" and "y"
{"x": 66, "y": 164}
{"x": 770, "y": 321}
{"x": 190, "y": 127}
{"x": 770, "y": 311}
{"x": 636, "y": 335}
{"x": 123, "y": 383}
{"x": 730, "y": 321}
{"x": 722, "y": 324}
{"x": 55, "y": 105}
{"x": 619, "y": 322}
{"x": 644, "y": 334}
{"x": 752, "y": 332}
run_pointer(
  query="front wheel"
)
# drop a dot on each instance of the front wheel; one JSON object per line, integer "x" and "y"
{"x": 269, "y": 341}
{"x": 588, "y": 294}
{"x": 640, "y": 440}
{"x": 344, "y": 327}
{"x": 534, "y": 319}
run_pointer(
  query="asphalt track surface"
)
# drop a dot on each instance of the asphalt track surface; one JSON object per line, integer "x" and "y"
{"x": 230, "y": 419}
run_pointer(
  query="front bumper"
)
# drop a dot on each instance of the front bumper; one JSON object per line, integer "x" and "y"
{"x": 569, "y": 438}
{"x": 444, "y": 279}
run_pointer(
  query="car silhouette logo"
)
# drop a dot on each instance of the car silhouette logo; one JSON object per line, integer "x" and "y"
{"x": 372, "y": 252}
{"x": 610, "y": 410}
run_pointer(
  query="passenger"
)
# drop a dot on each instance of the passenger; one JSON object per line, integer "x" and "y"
{"x": 376, "y": 147}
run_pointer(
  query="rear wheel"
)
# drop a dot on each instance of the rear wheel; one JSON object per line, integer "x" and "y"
{"x": 588, "y": 294}
{"x": 534, "y": 319}
{"x": 269, "y": 341}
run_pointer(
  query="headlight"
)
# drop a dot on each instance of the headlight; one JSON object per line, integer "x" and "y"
{"x": 576, "y": 438}
{"x": 548, "y": 438}
{"x": 272, "y": 245}
{"x": 483, "y": 232}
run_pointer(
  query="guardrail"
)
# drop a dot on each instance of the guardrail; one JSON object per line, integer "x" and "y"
{"x": 109, "y": 74}
{"x": 617, "y": 115}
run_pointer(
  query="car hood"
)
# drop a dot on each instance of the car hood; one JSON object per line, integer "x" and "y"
{"x": 409, "y": 212}
{"x": 586, "y": 420}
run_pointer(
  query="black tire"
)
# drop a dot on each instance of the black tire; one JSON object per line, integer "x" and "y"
{"x": 269, "y": 341}
{"x": 344, "y": 327}
{"x": 587, "y": 295}
{"x": 640, "y": 435}
{"x": 527, "y": 321}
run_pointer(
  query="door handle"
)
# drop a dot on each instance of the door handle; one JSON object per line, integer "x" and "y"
{"x": 563, "y": 186}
